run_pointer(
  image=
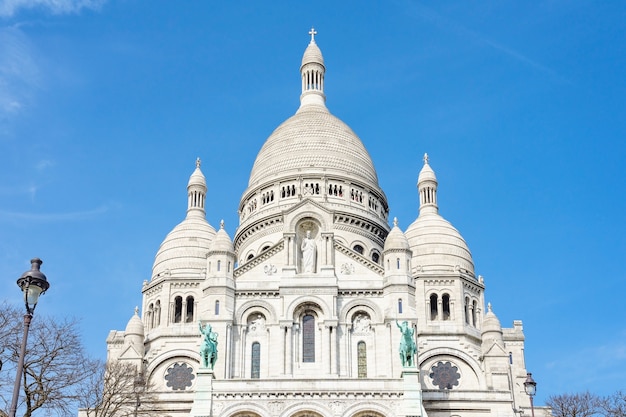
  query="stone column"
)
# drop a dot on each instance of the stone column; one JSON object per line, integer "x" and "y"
{"x": 203, "y": 396}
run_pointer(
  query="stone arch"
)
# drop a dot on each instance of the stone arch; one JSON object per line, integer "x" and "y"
{"x": 181, "y": 354}
{"x": 353, "y": 306}
{"x": 241, "y": 316}
{"x": 469, "y": 366}
{"x": 303, "y": 302}
{"x": 368, "y": 409}
{"x": 245, "y": 409}
{"x": 304, "y": 409}
{"x": 359, "y": 243}
{"x": 158, "y": 369}
{"x": 310, "y": 212}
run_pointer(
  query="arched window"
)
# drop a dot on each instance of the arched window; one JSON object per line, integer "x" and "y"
{"x": 375, "y": 257}
{"x": 157, "y": 313}
{"x": 217, "y": 307}
{"x": 445, "y": 301}
{"x": 361, "y": 352}
{"x": 511, "y": 358}
{"x": 150, "y": 316}
{"x": 250, "y": 257}
{"x": 467, "y": 313}
{"x": 255, "y": 361}
{"x": 434, "y": 313}
{"x": 399, "y": 305}
{"x": 189, "y": 315}
{"x": 219, "y": 266}
{"x": 475, "y": 307}
{"x": 358, "y": 249}
{"x": 178, "y": 309}
{"x": 308, "y": 338}
{"x": 397, "y": 263}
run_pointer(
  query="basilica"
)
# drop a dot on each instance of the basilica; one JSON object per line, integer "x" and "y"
{"x": 320, "y": 305}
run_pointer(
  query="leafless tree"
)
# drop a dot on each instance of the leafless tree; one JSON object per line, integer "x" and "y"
{"x": 117, "y": 389}
{"x": 54, "y": 365}
{"x": 613, "y": 405}
{"x": 573, "y": 405}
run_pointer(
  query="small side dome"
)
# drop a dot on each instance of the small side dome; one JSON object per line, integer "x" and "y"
{"x": 134, "y": 326}
{"x": 222, "y": 242}
{"x": 491, "y": 322}
{"x": 184, "y": 249}
{"x": 396, "y": 240}
{"x": 437, "y": 246}
{"x": 427, "y": 173}
{"x": 197, "y": 178}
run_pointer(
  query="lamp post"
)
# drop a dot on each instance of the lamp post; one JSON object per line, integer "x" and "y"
{"x": 530, "y": 386}
{"x": 138, "y": 387}
{"x": 33, "y": 283}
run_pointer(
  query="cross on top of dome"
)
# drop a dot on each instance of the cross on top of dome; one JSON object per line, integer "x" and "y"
{"x": 198, "y": 162}
{"x": 425, "y": 158}
{"x": 312, "y": 32}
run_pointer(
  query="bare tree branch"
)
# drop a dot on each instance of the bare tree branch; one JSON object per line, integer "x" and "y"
{"x": 54, "y": 365}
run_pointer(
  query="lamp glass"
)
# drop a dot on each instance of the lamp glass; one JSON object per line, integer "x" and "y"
{"x": 31, "y": 295}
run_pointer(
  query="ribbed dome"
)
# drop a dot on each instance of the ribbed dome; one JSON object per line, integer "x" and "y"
{"x": 134, "y": 326}
{"x": 396, "y": 239}
{"x": 427, "y": 173}
{"x": 312, "y": 54}
{"x": 437, "y": 245}
{"x": 222, "y": 242}
{"x": 197, "y": 178}
{"x": 313, "y": 139}
{"x": 185, "y": 247}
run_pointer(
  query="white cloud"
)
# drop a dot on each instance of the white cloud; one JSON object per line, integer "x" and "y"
{"x": 54, "y": 217}
{"x": 9, "y": 8}
{"x": 19, "y": 73}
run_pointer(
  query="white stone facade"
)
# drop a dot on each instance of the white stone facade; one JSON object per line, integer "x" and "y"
{"x": 323, "y": 339}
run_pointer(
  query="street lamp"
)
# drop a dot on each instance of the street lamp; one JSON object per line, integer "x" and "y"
{"x": 33, "y": 283}
{"x": 530, "y": 386}
{"x": 138, "y": 387}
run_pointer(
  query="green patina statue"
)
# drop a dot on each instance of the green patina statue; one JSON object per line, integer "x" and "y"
{"x": 408, "y": 349}
{"x": 208, "y": 350}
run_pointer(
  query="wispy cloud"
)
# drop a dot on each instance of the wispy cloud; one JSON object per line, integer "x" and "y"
{"x": 8, "y": 8}
{"x": 19, "y": 73}
{"x": 453, "y": 26}
{"x": 54, "y": 217}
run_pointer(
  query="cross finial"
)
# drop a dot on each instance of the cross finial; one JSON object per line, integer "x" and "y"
{"x": 395, "y": 222}
{"x": 426, "y": 158}
{"x": 136, "y": 310}
{"x": 312, "y": 32}
{"x": 489, "y": 307}
{"x": 198, "y": 162}
{"x": 222, "y": 224}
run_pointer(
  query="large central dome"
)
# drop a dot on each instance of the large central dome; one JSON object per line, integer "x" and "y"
{"x": 313, "y": 138}
{"x": 312, "y": 157}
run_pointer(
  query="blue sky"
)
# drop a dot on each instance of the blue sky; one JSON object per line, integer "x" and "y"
{"x": 105, "y": 105}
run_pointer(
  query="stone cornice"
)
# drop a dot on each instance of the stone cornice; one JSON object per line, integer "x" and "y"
{"x": 359, "y": 258}
{"x": 257, "y": 260}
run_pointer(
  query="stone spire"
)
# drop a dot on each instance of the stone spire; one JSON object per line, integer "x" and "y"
{"x": 196, "y": 193}
{"x": 312, "y": 71}
{"x": 427, "y": 188}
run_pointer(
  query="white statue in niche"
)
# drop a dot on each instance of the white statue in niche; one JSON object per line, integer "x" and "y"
{"x": 257, "y": 324}
{"x": 361, "y": 323}
{"x": 308, "y": 253}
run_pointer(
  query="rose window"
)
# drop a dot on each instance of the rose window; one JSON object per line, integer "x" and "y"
{"x": 179, "y": 376}
{"x": 445, "y": 375}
